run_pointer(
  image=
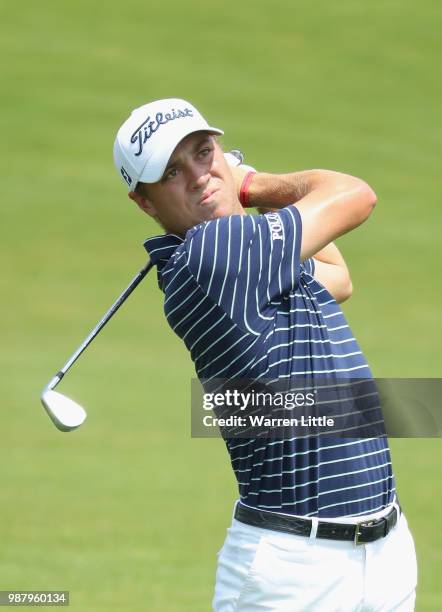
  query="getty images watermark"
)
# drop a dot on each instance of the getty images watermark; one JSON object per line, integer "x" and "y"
{"x": 248, "y": 402}
{"x": 351, "y": 408}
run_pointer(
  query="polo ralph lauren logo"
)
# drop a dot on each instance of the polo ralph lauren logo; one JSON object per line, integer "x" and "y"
{"x": 274, "y": 220}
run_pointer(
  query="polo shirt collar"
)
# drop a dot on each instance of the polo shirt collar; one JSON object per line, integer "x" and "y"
{"x": 161, "y": 248}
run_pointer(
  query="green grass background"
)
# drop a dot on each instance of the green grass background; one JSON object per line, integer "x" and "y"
{"x": 128, "y": 512}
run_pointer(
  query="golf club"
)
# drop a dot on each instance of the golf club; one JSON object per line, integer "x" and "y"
{"x": 64, "y": 412}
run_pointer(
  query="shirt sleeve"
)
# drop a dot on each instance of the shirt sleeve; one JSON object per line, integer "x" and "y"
{"x": 245, "y": 262}
{"x": 308, "y": 266}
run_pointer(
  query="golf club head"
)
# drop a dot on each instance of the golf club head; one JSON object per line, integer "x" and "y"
{"x": 64, "y": 412}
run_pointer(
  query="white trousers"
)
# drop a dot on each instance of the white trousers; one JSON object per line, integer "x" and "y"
{"x": 260, "y": 569}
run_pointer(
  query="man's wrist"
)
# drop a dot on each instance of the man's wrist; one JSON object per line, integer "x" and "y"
{"x": 244, "y": 195}
{"x": 280, "y": 190}
{"x": 264, "y": 192}
{"x": 255, "y": 189}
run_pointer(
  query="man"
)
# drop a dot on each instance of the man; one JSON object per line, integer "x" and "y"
{"x": 318, "y": 525}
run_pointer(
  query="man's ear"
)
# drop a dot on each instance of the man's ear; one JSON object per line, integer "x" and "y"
{"x": 143, "y": 203}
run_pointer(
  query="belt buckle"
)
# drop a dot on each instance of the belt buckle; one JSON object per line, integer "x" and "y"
{"x": 358, "y": 533}
{"x": 385, "y": 519}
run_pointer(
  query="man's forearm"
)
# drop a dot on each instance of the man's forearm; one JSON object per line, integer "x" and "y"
{"x": 332, "y": 271}
{"x": 330, "y": 203}
{"x": 330, "y": 255}
{"x": 269, "y": 191}
{"x": 280, "y": 190}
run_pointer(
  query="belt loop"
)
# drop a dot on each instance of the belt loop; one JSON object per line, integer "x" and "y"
{"x": 314, "y": 529}
{"x": 397, "y": 508}
{"x": 234, "y": 509}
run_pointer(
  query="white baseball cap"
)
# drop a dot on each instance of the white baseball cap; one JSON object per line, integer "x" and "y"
{"x": 147, "y": 139}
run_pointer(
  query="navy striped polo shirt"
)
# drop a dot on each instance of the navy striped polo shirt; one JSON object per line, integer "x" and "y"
{"x": 237, "y": 294}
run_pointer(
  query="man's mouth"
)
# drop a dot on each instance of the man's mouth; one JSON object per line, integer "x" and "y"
{"x": 207, "y": 196}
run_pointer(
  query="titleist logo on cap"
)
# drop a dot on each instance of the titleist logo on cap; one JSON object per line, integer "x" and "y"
{"x": 150, "y": 126}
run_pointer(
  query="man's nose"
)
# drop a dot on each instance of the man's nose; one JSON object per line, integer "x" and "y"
{"x": 198, "y": 177}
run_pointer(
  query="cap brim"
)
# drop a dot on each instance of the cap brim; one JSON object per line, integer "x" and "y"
{"x": 159, "y": 159}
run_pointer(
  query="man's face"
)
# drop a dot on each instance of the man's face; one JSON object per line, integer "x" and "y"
{"x": 196, "y": 186}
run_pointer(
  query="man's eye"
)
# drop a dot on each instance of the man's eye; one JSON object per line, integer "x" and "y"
{"x": 170, "y": 174}
{"x": 205, "y": 152}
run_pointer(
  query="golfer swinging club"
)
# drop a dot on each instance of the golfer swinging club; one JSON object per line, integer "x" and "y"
{"x": 318, "y": 525}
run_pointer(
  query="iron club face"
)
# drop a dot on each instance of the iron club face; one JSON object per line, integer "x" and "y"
{"x": 64, "y": 412}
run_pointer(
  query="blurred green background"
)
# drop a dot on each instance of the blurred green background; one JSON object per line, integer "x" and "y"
{"x": 128, "y": 512}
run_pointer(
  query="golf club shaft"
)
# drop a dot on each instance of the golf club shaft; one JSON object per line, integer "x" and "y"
{"x": 109, "y": 314}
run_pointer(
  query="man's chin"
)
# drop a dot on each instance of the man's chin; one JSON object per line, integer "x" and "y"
{"x": 216, "y": 211}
